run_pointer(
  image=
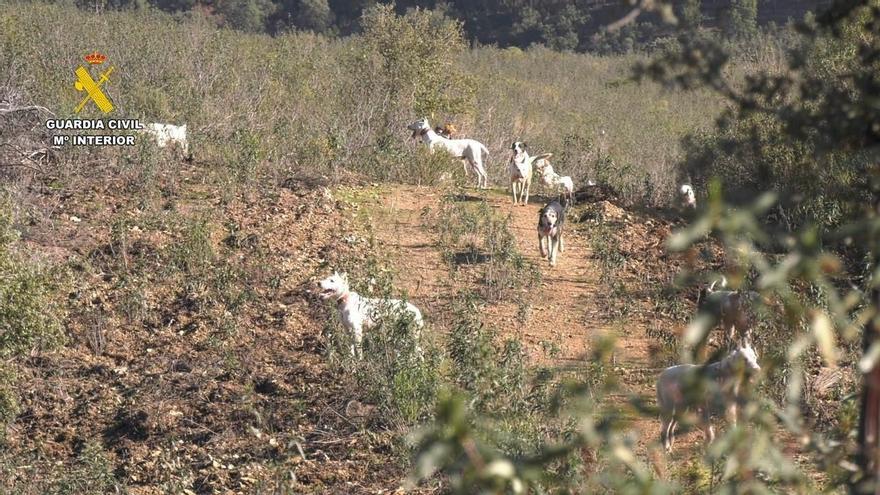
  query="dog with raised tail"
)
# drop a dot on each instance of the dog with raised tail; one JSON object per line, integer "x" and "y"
{"x": 561, "y": 183}
{"x": 551, "y": 220}
{"x": 520, "y": 168}
{"x": 471, "y": 151}
{"x": 358, "y": 313}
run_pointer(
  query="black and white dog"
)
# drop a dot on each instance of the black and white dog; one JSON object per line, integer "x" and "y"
{"x": 550, "y": 223}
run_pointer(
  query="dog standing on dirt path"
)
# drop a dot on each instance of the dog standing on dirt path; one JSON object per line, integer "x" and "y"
{"x": 358, "y": 313}
{"x": 705, "y": 389}
{"x": 550, "y": 223}
{"x": 520, "y": 169}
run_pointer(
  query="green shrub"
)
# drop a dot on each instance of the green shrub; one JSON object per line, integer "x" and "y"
{"x": 476, "y": 235}
{"x": 30, "y": 319}
{"x": 415, "y": 54}
{"x": 194, "y": 252}
{"x": 9, "y": 406}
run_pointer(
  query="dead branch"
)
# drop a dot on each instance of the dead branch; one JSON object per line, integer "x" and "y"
{"x": 26, "y": 109}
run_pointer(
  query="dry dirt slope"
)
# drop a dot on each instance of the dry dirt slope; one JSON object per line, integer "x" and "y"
{"x": 575, "y": 305}
{"x": 568, "y": 309}
{"x": 182, "y": 394}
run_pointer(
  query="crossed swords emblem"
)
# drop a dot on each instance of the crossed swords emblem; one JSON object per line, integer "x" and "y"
{"x": 84, "y": 82}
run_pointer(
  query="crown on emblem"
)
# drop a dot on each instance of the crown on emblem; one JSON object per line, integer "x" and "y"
{"x": 95, "y": 58}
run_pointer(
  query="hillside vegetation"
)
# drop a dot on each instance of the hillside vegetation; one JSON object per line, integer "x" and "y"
{"x": 261, "y": 107}
{"x": 579, "y": 25}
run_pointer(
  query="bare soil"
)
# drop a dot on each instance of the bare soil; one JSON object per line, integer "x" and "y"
{"x": 184, "y": 404}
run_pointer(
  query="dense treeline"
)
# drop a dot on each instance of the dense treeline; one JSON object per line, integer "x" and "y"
{"x": 563, "y": 25}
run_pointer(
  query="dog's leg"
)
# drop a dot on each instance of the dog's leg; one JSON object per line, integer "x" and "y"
{"x": 528, "y": 186}
{"x": 541, "y": 245}
{"x": 667, "y": 431}
{"x": 730, "y": 331}
{"x": 513, "y": 191}
{"x": 732, "y": 414}
{"x": 561, "y": 243}
{"x": 357, "y": 334}
{"x": 664, "y": 433}
{"x": 554, "y": 246}
{"x": 476, "y": 168}
{"x": 707, "y": 424}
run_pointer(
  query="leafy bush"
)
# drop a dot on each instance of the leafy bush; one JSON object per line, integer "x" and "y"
{"x": 30, "y": 318}
{"x": 414, "y": 54}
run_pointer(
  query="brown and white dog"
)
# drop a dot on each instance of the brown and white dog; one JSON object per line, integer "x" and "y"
{"x": 448, "y": 131}
{"x": 472, "y": 152}
{"x": 687, "y": 197}
{"x": 550, "y": 224}
{"x": 520, "y": 168}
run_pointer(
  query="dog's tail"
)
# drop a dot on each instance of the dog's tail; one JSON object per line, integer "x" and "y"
{"x": 542, "y": 156}
{"x": 565, "y": 201}
{"x": 485, "y": 152}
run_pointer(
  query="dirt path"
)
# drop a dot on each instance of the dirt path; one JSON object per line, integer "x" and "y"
{"x": 567, "y": 313}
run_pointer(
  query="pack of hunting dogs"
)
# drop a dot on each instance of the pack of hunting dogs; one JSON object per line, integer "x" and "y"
{"x": 686, "y": 393}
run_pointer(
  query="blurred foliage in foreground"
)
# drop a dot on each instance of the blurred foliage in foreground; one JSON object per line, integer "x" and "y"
{"x": 791, "y": 166}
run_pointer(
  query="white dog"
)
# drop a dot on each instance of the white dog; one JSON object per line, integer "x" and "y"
{"x": 358, "y": 313}
{"x": 520, "y": 169}
{"x": 733, "y": 309}
{"x": 471, "y": 151}
{"x": 707, "y": 390}
{"x": 688, "y": 198}
{"x": 550, "y": 178}
{"x": 169, "y": 134}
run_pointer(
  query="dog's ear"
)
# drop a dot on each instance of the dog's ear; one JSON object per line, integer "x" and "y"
{"x": 525, "y": 145}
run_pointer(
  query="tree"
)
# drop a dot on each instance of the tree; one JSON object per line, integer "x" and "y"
{"x": 314, "y": 15}
{"x": 741, "y": 20}
{"x": 246, "y": 15}
{"x": 691, "y": 14}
